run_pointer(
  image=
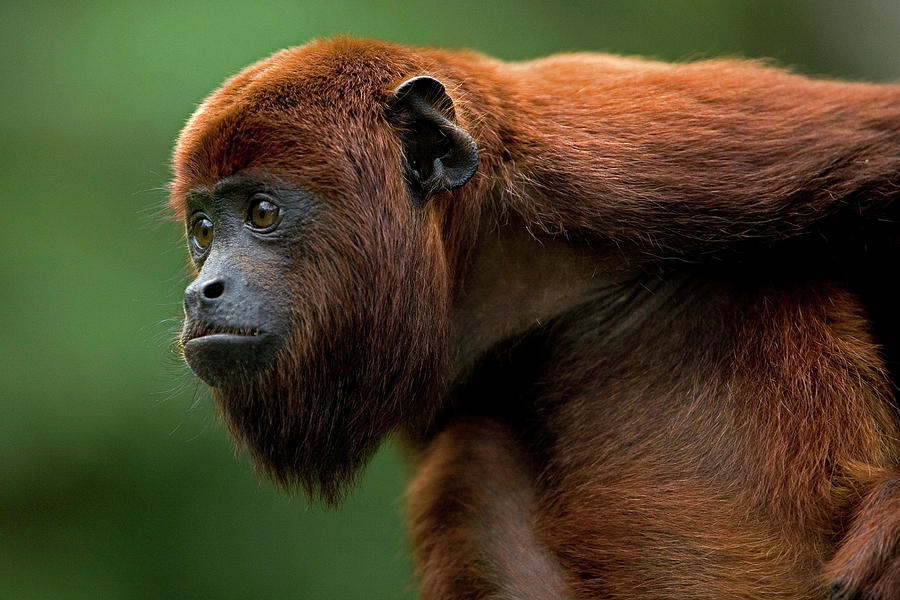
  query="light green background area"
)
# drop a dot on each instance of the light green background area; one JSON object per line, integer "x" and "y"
{"x": 116, "y": 479}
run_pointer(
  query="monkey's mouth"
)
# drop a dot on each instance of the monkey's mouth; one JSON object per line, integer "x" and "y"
{"x": 196, "y": 330}
{"x": 222, "y": 354}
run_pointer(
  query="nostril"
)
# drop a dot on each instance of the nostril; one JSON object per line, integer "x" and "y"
{"x": 213, "y": 289}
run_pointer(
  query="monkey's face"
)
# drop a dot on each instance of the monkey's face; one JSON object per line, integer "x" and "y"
{"x": 319, "y": 315}
{"x": 236, "y": 318}
{"x": 320, "y": 326}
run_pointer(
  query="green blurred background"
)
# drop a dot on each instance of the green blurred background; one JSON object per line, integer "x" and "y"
{"x": 116, "y": 480}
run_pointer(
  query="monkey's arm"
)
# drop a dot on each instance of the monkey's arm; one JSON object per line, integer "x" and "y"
{"x": 472, "y": 516}
{"x": 867, "y": 564}
{"x": 691, "y": 160}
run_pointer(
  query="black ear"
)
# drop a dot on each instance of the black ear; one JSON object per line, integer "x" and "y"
{"x": 440, "y": 155}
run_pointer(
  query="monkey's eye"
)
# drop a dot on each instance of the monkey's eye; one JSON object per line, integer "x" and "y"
{"x": 202, "y": 232}
{"x": 263, "y": 213}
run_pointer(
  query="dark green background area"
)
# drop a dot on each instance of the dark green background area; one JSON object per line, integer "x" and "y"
{"x": 116, "y": 479}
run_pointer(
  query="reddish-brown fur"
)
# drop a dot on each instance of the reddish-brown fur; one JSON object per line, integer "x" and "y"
{"x": 633, "y": 356}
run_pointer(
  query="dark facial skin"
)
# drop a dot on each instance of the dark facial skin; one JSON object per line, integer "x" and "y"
{"x": 235, "y": 319}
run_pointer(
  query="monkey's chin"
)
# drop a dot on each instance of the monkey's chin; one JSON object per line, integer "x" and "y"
{"x": 230, "y": 358}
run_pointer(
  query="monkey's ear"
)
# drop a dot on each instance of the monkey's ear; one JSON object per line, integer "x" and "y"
{"x": 440, "y": 155}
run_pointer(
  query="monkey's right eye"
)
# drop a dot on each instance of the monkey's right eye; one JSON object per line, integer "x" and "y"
{"x": 202, "y": 232}
{"x": 263, "y": 214}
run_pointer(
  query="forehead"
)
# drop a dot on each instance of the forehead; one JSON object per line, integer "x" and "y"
{"x": 298, "y": 115}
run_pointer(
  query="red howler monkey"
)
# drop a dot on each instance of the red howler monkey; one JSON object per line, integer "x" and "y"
{"x": 634, "y": 320}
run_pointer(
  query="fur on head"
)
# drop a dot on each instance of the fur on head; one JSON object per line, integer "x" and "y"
{"x": 365, "y": 280}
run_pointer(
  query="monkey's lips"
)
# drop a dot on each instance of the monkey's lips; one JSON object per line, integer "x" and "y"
{"x": 222, "y": 355}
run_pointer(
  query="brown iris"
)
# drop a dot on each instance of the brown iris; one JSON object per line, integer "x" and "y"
{"x": 202, "y": 232}
{"x": 263, "y": 214}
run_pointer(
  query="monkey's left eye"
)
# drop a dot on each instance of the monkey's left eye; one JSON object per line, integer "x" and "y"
{"x": 263, "y": 213}
{"x": 201, "y": 232}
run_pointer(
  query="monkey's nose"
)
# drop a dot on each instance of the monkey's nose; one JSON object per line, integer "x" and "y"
{"x": 204, "y": 292}
{"x": 213, "y": 289}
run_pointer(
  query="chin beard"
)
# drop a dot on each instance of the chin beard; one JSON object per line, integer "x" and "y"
{"x": 313, "y": 420}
